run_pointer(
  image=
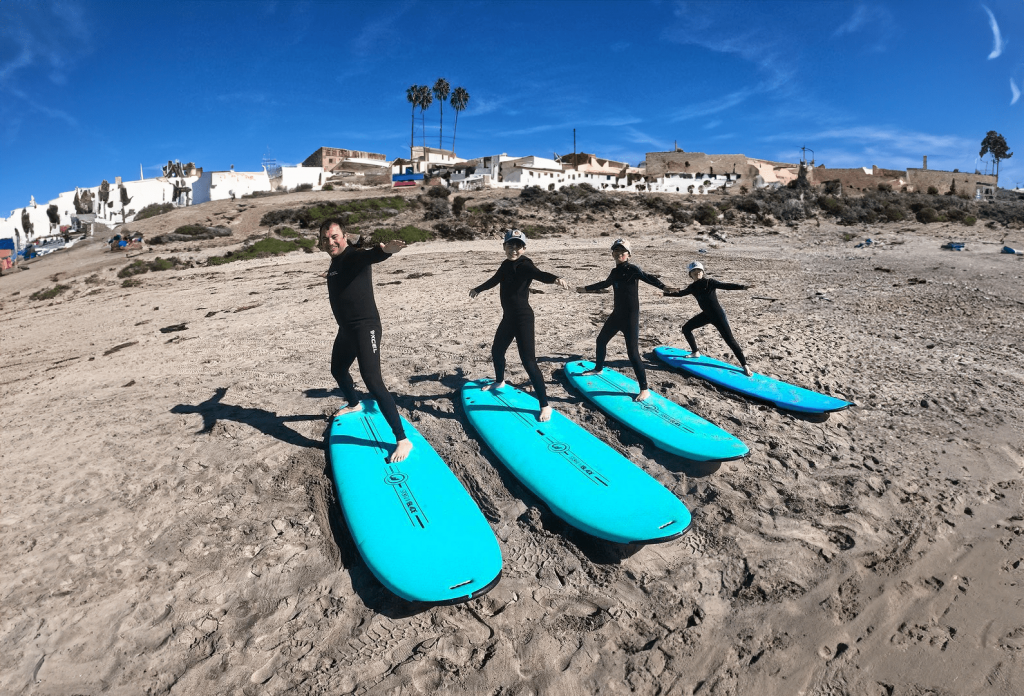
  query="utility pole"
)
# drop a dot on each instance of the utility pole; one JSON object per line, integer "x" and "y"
{"x": 573, "y": 150}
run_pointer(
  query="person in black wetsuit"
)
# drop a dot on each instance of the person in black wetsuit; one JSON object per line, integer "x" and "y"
{"x": 514, "y": 275}
{"x": 350, "y": 287}
{"x": 703, "y": 290}
{"x": 625, "y": 280}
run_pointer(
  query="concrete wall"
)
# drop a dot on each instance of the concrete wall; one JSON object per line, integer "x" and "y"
{"x": 661, "y": 163}
{"x": 296, "y": 176}
{"x": 219, "y": 186}
{"x": 857, "y": 179}
{"x": 328, "y": 157}
{"x": 920, "y": 179}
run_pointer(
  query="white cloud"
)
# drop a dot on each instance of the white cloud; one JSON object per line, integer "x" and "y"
{"x": 854, "y": 23}
{"x": 997, "y": 48}
{"x": 1015, "y": 91}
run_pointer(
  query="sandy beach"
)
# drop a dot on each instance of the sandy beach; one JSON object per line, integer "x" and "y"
{"x": 168, "y": 525}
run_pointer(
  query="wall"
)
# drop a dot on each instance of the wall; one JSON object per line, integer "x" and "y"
{"x": 661, "y": 163}
{"x": 327, "y": 157}
{"x": 920, "y": 179}
{"x": 855, "y": 179}
{"x": 219, "y": 186}
{"x": 295, "y": 176}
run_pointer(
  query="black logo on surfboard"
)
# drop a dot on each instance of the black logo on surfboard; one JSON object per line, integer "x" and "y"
{"x": 399, "y": 482}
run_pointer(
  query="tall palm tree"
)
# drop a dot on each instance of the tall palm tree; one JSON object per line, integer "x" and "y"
{"x": 412, "y": 95}
{"x": 459, "y": 102}
{"x": 426, "y": 99}
{"x": 441, "y": 91}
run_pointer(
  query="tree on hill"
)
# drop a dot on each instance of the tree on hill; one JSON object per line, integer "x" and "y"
{"x": 426, "y": 98}
{"x": 996, "y": 145}
{"x": 441, "y": 91}
{"x": 412, "y": 95}
{"x": 459, "y": 102}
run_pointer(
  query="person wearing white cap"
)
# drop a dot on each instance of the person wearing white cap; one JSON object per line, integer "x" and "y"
{"x": 703, "y": 290}
{"x": 514, "y": 275}
{"x": 625, "y": 317}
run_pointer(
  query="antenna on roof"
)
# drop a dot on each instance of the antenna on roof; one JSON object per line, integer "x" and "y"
{"x": 803, "y": 156}
{"x": 271, "y": 165}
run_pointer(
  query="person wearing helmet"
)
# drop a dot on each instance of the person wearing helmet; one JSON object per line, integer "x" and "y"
{"x": 514, "y": 275}
{"x": 625, "y": 317}
{"x": 703, "y": 290}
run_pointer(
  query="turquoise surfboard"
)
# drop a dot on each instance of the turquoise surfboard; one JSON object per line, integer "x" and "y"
{"x": 665, "y": 423}
{"x": 416, "y": 527}
{"x": 782, "y": 394}
{"x": 584, "y": 481}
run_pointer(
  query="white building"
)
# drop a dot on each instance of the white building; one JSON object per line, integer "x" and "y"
{"x": 292, "y": 177}
{"x": 219, "y": 186}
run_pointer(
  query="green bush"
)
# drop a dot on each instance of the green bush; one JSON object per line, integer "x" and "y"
{"x": 261, "y": 249}
{"x": 830, "y": 205}
{"x": 408, "y": 234}
{"x": 350, "y": 212}
{"x": 131, "y": 283}
{"x": 49, "y": 293}
{"x": 153, "y": 210}
{"x": 933, "y": 190}
{"x": 139, "y": 266}
{"x": 706, "y": 214}
{"x": 439, "y": 192}
{"x": 929, "y": 215}
{"x": 191, "y": 230}
{"x": 328, "y": 187}
{"x": 458, "y": 204}
{"x": 303, "y": 187}
{"x": 893, "y": 213}
{"x": 286, "y": 232}
{"x": 969, "y": 220}
{"x": 748, "y": 205}
{"x": 955, "y": 214}
{"x": 885, "y": 188}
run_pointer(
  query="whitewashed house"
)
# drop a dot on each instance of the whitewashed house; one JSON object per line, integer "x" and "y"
{"x": 293, "y": 177}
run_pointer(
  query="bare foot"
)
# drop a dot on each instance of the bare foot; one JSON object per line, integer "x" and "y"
{"x": 402, "y": 450}
{"x": 747, "y": 372}
{"x": 347, "y": 409}
{"x": 694, "y": 354}
{"x": 494, "y": 385}
{"x": 595, "y": 371}
{"x": 545, "y": 414}
{"x": 643, "y": 395}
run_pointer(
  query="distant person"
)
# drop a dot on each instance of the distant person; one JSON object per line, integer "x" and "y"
{"x": 514, "y": 275}
{"x": 703, "y": 290}
{"x": 625, "y": 317}
{"x": 350, "y": 287}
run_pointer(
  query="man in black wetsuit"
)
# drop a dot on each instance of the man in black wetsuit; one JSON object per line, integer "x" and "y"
{"x": 625, "y": 317}
{"x": 350, "y": 287}
{"x": 703, "y": 290}
{"x": 514, "y": 275}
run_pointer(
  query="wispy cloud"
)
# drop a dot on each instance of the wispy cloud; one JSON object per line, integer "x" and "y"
{"x": 698, "y": 25}
{"x": 58, "y": 114}
{"x": 365, "y": 47}
{"x": 41, "y": 34}
{"x": 855, "y": 22}
{"x": 889, "y": 139}
{"x": 635, "y": 136}
{"x": 997, "y": 47}
{"x": 1015, "y": 91}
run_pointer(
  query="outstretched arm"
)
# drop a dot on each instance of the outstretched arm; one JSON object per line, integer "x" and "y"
{"x": 594, "y": 287}
{"x": 650, "y": 280}
{"x": 719, "y": 285}
{"x": 545, "y": 277}
{"x": 487, "y": 284}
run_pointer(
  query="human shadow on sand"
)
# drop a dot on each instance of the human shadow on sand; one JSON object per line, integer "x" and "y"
{"x": 213, "y": 410}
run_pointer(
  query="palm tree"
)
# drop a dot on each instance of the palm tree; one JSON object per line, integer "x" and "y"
{"x": 412, "y": 95}
{"x": 426, "y": 99}
{"x": 441, "y": 92}
{"x": 460, "y": 99}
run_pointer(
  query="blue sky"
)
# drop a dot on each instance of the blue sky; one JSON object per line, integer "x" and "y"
{"x": 91, "y": 90}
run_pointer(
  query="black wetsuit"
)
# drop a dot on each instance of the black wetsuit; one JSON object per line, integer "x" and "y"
{"x": 625, "y": 280}
{"x": 517, "y": 319}
{"x": 350, "y": 287}
{"x": 703, "y": 291}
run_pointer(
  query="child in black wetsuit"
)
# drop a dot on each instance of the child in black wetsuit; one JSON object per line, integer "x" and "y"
{"x": 703, "y": 290}
{"x": 625, "y": 316}
{"x": 515, "y": 275}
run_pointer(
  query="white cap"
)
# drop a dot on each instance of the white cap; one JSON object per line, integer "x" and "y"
{"x": 695, "y": 266}
{"x": 624, "y": 243}
{"x": 514, "y": 235}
